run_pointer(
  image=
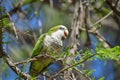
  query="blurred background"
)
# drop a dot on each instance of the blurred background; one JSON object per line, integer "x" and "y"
{"x": 26, "y": 20}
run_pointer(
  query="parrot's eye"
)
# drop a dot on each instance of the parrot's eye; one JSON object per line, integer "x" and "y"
{"x": 61, "y": 28}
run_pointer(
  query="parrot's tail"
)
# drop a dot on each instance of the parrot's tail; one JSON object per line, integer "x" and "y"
{"x": 40, "y": 65}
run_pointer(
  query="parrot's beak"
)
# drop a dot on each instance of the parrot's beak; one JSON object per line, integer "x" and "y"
{"x": 65, "y": 34}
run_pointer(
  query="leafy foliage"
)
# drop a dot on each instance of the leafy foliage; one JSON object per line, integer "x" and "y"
{"x": 101, "y": 53}
{"x": 109, "y": 53}
{"x": 3, "y": 20}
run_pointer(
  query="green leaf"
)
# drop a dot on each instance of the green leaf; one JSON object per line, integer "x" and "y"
{"x": 93, "y": 78}
{"x": 90, "y": 72}
{"x": 102, "y": 78}
{"x": 7, "y": 42}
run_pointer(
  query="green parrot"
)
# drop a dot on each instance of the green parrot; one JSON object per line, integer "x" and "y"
{"x": 48, "y": 43}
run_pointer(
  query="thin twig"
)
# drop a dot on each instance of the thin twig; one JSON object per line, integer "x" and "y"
{"x": 85, "y": 75}
{"x": 99, "y": 21}
{"x": 34, "y": 59}
{"x": 73, "y": 77}
{"x": 103, "y": 18}
{"x": 13, "y": 25}
{"x": 26, "y": 61}
{"x": 102, "y": 39}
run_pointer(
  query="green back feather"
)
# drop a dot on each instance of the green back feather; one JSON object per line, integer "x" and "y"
{"x": 38, "y": 46}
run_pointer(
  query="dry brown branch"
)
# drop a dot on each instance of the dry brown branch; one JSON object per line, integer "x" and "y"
{"x": 77, "y": 23}
{"x": 15, "y": 68}
{"x": 106, "y": 44}
{"x": 1, "y": 26}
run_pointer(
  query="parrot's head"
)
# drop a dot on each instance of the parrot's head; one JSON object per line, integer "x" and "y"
{"x": 60, "y": 32}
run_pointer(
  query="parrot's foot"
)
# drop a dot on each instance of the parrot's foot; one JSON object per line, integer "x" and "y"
{"x": 59, "y": 59}
{"x": 44, "y": 55}
{"x": 28, "y": 60}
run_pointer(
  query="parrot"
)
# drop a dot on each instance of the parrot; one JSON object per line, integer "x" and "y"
{"x": 49, "y": 43}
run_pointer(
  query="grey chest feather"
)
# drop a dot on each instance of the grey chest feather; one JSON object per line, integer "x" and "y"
{"x": 54, "y": 44}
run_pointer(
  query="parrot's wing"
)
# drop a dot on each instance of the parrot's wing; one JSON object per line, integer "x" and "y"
{"x": 42, "y": 62}
{"x": 38, "y": 46}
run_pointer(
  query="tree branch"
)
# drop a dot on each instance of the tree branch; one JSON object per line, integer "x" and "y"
{"x": 102, "y": 39}
{"x": 88, "y": 41}
{"x": 15, "y": 68}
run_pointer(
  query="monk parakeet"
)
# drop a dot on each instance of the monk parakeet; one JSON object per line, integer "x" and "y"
{"x": 48, "y": 43}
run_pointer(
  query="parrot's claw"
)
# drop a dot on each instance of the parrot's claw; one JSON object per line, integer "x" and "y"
{"x": 44, "y": 55}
